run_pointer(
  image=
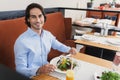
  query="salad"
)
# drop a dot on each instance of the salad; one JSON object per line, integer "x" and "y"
{"x": 109, "y": 76}
{"x": 65, "y": 63}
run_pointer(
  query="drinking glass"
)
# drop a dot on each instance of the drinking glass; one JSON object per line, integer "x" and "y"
{"x": 104, "y": 29}
{"x": 70, "y": 75}
{"x": 116, "y": 62}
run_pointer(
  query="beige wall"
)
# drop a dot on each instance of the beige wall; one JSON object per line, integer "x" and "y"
{"x": 6, "y": 5}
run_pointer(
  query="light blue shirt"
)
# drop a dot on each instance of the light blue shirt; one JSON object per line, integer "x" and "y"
{"x": 31, "y": 50}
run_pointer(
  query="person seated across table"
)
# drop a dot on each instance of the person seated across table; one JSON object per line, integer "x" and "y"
{"x": 33, "y": 46}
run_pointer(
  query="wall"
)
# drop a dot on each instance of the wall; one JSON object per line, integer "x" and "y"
{"x": 68, "y": 3}
{"x": 75, "y": 15}
{"x": 6, "y": 5}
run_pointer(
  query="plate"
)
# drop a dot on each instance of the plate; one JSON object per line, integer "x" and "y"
{"x": 89, "y": 37}
{"x": 55, "y": 60}
{"x": 96, "y": 75}
{"x": 80, "y": 32}
{"x": 114, "y": 41}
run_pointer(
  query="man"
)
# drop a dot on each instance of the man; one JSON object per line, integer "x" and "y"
{"x": 32, "y": 47}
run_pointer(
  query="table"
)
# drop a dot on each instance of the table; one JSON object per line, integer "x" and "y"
{"x": 99, "y": 45}
{"x": 94, "y": 44}
{"x": 79, "y": 56}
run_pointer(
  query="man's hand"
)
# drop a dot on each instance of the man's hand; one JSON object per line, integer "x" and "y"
{"x": 73, "y": 51}
{"x": 47, "y": 68}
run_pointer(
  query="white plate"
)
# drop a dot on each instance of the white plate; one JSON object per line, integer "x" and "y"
{"x": 89, "y": 37}
{"x": 114, "y": 41}
{"x": 55, "y": 60}
{"x": 80, "y": 32}
{"x": 96, "y": 75}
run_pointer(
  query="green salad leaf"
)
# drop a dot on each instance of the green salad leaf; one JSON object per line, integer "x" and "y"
{"x": 65, "y": 63}
{"x": 110, "y": 75}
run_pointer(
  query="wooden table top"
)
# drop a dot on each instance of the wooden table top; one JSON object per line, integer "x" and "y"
{"x": 79, "y": 56}
{"x": 94, "y": 44}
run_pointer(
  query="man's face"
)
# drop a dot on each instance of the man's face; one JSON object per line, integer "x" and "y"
{"x": 36, "y": 19}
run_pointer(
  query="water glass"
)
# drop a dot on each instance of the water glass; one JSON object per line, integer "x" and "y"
{"x": 104, "y": 29}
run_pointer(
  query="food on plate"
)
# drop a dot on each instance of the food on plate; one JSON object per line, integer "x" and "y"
{"x": 110, "y": 75}
{"x": 65, "y": 63}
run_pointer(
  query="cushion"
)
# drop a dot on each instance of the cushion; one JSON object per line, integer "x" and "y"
{"x": 94, "y": 14}
{"x": 9, "y": 31}
{"x": 55, "y": 24}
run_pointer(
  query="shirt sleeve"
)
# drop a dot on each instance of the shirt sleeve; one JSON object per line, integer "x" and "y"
{"x": 59, "y": 46}
{"x": 21, "y": 53}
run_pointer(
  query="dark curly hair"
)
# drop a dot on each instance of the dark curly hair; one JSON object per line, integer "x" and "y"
{"x": 27, "y": 12}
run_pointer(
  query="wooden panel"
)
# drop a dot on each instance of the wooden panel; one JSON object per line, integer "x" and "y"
{"x": 110, "y": 14}
{"x": 94, "y": 14}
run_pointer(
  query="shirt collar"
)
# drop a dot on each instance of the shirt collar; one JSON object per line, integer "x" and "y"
{"x": 32, "y": 33}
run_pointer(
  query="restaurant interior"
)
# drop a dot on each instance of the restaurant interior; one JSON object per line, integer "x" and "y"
{"x": 91, "y": 26}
